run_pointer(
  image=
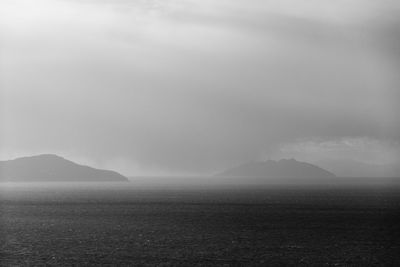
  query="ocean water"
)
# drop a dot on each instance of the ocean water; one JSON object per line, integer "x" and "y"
{"x": 161, "y": 224}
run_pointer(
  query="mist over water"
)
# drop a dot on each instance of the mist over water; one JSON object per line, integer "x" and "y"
{"x": 181, "y": 189}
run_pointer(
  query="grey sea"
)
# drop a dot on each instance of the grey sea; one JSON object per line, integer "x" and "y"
{"x": 155, "y": 224}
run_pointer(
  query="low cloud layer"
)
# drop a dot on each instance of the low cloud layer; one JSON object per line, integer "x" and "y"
{"x": 196, "y": 86}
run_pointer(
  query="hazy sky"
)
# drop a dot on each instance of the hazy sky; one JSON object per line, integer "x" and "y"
{"x": 194, "y": 86}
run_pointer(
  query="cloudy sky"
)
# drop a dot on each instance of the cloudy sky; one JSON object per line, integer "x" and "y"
{"x": 195, "y": 86}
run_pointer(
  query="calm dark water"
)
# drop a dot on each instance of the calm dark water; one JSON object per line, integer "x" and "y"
{"x": 130, "y": 224}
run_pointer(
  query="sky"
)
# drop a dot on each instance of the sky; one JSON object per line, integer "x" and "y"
{"x": 151, "y": 87}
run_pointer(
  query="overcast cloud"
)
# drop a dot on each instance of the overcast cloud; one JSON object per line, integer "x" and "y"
{"x": 195, "y": 86}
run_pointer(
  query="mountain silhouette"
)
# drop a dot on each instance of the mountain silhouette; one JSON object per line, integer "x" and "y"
{"x": 284, "y": 168}
{"x": 47, "y": 167}
{"x": 352, "y": 168}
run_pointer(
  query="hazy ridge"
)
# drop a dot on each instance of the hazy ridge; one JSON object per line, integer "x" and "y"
{"x": 53, "y": 168}
{"x": 285, "y": 168}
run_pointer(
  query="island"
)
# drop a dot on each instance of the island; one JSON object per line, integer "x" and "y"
{"x": 53, "y": 168}
{"x": 281, "y": 169}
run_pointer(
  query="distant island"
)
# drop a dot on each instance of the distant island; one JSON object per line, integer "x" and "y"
{"x": 353, "y": 168}
{"x": 284, "y": 168}
{"x": 52, "y": 168}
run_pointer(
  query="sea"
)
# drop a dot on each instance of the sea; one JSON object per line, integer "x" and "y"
{"x": 160, "y": 223}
